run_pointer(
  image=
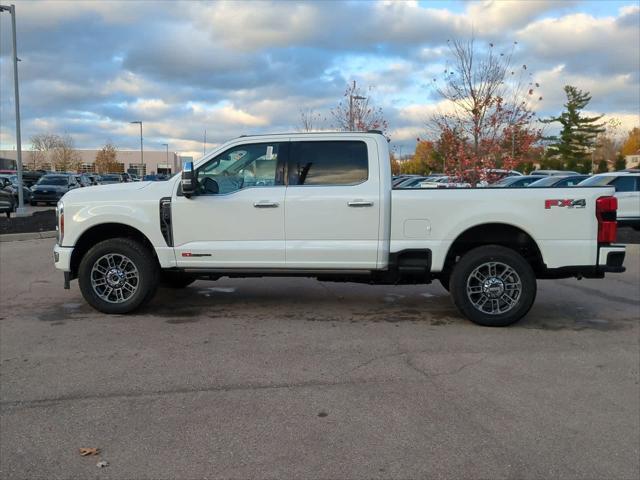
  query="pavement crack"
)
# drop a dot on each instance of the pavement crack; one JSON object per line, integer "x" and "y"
{"x": 414, "y": 367}
{"x": 47, "y": 402}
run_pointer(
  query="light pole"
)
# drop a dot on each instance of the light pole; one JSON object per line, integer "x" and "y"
{"x": 141, "y": 148}
{"x": 167, "y": 162}
{"x": 20, "y": 211}
{"x": 351, "y": 99}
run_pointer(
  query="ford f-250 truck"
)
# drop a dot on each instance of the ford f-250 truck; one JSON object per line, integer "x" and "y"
{"x": 321, "y": 205}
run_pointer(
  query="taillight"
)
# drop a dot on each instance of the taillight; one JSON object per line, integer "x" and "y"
{"x": 606, "y": 214}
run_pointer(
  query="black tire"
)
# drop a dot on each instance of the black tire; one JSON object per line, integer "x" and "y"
{"x": 522, "y": 297}
{"x": 445, "y": 280}
{"x": 171, "y": 279}
{"x": 33, "y": 204}
{"x": 139, "y": 256}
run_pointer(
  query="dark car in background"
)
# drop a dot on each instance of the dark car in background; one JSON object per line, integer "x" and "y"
{"x": 519, "y": 181}
{"x": 50, "y": 188}
{"x": 109, "y": 178}
{"x": 552, "y": 173}
{"x": 7, "y": 203}
{"x": 9, "y": 183}
{"x": 559, "y": 181}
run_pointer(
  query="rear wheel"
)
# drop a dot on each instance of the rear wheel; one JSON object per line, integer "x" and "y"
{"x": 493, "y": 286}
{"x": 118, "y": 275}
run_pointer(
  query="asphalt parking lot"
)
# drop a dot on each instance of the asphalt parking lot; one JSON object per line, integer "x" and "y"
{"x": 283, "y": 378}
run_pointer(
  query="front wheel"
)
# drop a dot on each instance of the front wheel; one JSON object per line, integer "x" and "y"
{"x": 118, "y": 275}
{"x": 493, "y": 286}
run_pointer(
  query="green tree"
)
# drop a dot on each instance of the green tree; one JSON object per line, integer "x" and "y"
{"x": 577, "y": 138}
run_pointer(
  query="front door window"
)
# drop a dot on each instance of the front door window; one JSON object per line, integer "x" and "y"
{"x": 241, "y": 167}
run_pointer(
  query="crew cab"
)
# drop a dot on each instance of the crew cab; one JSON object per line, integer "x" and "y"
{"x": 321, "y": 205}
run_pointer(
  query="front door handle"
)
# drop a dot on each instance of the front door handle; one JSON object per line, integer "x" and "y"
{"x": 360, "y": 203}
{"x": 266, "y": 204}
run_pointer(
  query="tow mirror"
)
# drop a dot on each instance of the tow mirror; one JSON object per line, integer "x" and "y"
{"x": 188, "y": 179}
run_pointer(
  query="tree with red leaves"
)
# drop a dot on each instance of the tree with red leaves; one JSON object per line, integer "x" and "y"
{"x": 357, "y": 112}
{"x": 488, "y": 122}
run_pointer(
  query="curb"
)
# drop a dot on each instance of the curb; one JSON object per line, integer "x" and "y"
{"x": 15, "y": 237}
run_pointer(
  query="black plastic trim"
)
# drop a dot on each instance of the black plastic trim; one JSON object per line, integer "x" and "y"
{"x": 166, "y": 224}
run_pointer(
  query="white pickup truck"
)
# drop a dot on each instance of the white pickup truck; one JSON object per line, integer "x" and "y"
{"x": 321, "y": 205}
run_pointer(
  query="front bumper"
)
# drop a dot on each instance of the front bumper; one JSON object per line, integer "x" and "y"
{"x": 62, "y": 257}
{"x": 46, "y": 197}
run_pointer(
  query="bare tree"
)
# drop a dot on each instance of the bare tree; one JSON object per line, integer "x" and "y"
{"x": 106, "y": 159}
{"x": 357, "y": 112}
{"x": 51, "y": 151}
{"x": 65, "y": 156}
{"x": 42, "y": 146}
{"x": 488, "y": 105}
{"x": 310, "y": 120}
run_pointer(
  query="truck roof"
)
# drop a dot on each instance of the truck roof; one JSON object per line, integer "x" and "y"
{"x": 336, "y": 132}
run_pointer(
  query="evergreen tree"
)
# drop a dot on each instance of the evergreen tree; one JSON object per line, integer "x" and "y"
{"x": 578, "y": 134}
{"x": 602, "y": 166}
{"x": 620, "y": 163}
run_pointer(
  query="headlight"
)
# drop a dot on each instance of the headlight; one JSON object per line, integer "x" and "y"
{"x": 60, "y": 222}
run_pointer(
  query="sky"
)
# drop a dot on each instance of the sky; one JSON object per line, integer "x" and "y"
{"x": 88, "y": 68}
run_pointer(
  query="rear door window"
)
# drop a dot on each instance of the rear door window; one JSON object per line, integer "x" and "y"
{"x": 328, "y": 163}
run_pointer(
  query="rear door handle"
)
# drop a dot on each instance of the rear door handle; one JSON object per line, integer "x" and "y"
{"x": 266, "y": 204}
{"x": 360, "y": 203}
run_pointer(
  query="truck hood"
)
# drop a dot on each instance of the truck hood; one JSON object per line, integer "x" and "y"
{"x": 118, "y": 192}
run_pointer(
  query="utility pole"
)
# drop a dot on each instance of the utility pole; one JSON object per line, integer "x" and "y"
{"x": 142, "y": 169}
{"x": 353, "y": 97}
{"x": 20, "y": 211}
{"x": 204, "y": 143}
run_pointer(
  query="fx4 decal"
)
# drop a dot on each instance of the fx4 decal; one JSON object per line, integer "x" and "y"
{"x": 567, "y": 202}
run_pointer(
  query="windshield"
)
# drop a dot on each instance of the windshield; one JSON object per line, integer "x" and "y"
{"x": 46, "y": 180}
{"x": 597, "y": 181}
{"x": 546, "y": 182}
{"x": 111, "y": 177}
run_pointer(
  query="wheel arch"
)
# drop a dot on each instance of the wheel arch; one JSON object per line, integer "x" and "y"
{"x": 105, "y": 231}
{"x": 495, "y": 233}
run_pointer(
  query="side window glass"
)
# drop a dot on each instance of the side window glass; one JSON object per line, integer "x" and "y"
{"x": 625, "y": 184}
{"x": 328, "y": 163}
{"x": 244, "y": 166}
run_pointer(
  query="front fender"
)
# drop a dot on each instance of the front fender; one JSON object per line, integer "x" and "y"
{"x": 142, "y": 216}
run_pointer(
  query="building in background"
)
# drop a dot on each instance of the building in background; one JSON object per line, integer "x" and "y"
{"x": 155, "y": 161}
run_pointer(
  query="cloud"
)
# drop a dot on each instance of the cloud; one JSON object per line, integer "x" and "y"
{"x": 89, "y": 67}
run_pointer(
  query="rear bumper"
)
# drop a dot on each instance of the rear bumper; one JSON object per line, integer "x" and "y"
{"x": 610, "y": 260}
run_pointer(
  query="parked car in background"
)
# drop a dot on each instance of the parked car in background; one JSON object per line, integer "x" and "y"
{"x": 50, "y": 188}
{"x": 8, "y": 203}
{"x": 559, "y": 181}
{"x": 627, "y": 185}
{"x": 10, "y": 184}
{"x": 94, "y": 179}
{"x": 411, "y": 182}
{"x": 515, "y": 182}
{"x": 83, "y": 180}
{"x": 109, "y": 178}
{"x": 30, "y": 177}
{"x": 550, "y": 173}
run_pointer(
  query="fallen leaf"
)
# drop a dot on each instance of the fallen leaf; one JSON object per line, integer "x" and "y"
{"x": 89, "y": 451}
